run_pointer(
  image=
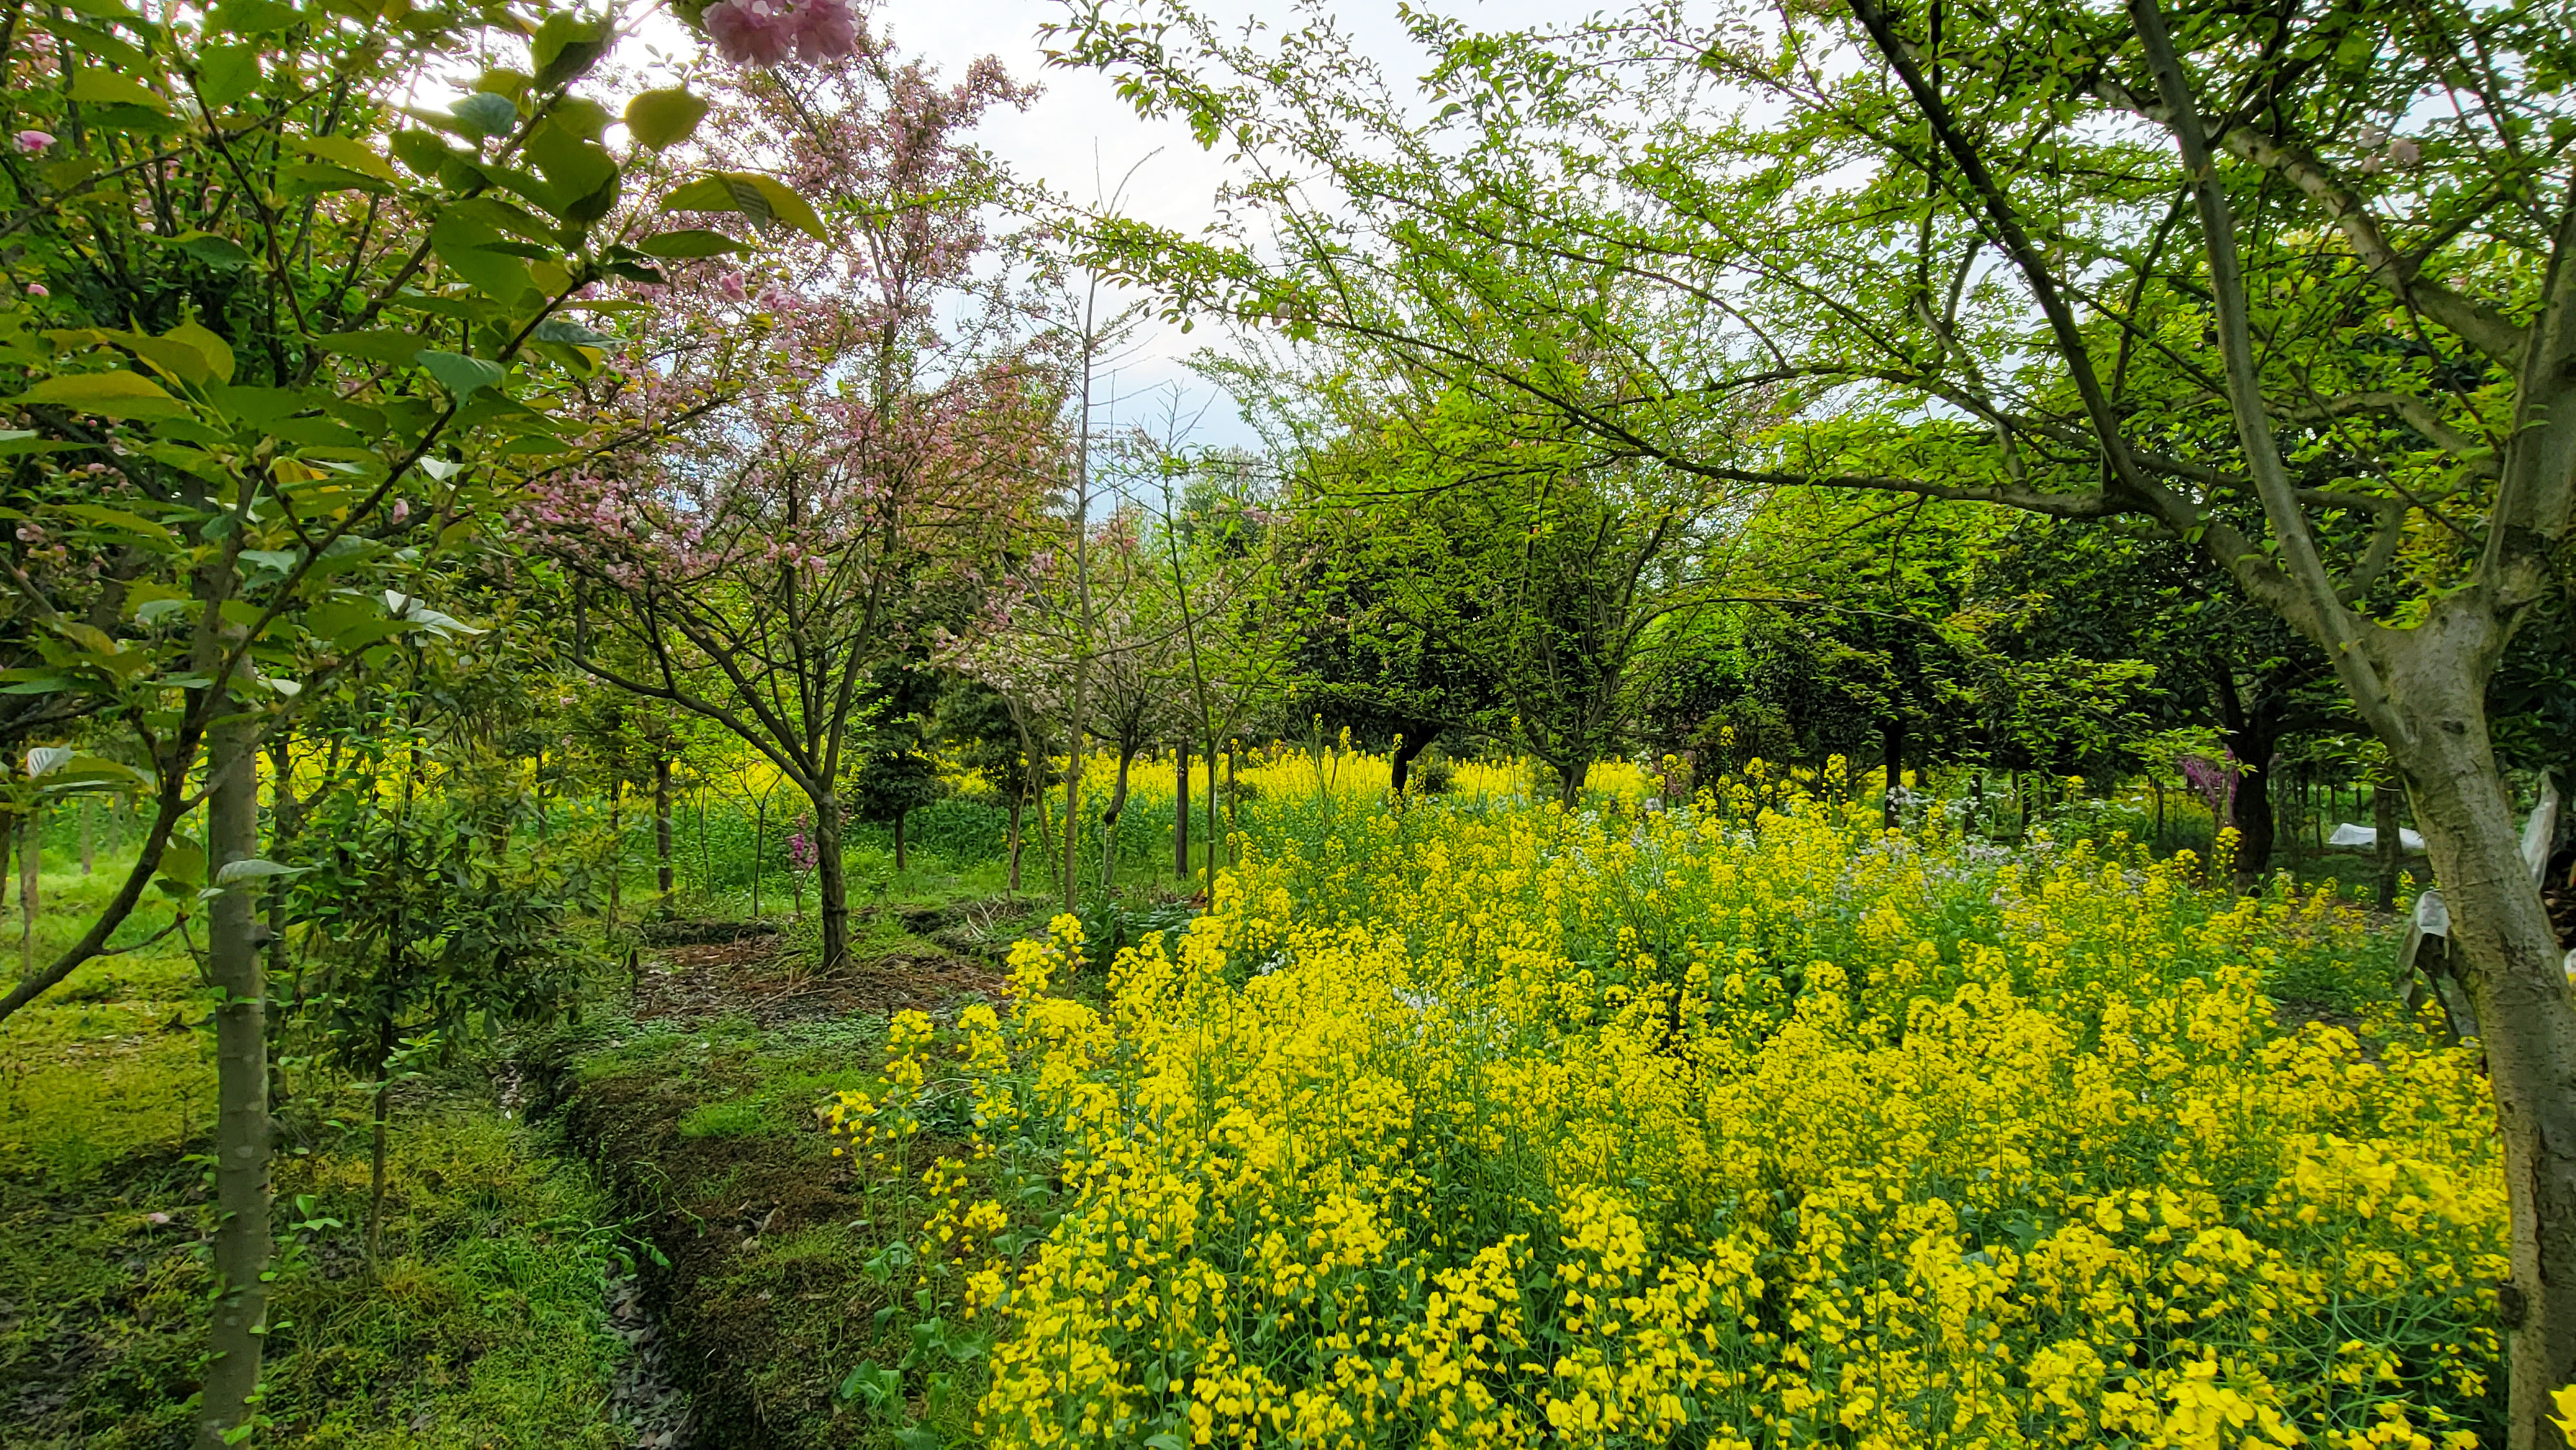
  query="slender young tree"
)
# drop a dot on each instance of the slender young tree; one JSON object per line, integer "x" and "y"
{"x": 882, "y": 431}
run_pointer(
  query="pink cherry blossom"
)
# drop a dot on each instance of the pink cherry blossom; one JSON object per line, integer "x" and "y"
{"x": 826, "y": 30}
{"x": 730, "y": 287}
{"x": 38, "y": 289}
{"x": 2404, "y": 151}
{"x": 34, "y": 141}
{"x": 753, "y": 32}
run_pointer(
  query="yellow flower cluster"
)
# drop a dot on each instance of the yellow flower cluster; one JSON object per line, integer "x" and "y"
{"x": 1501, "y": 1125}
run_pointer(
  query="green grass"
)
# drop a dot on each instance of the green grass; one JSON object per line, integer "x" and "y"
{"x": 481, "y": 1325}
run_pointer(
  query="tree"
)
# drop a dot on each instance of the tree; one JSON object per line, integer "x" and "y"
{"x": 2094, "y": 262}
{"x": 881, "y": 430}
{"x": 999, "y": 741}
{"x": 275, "y": 342}
{"x": 1558, "y": 573}
{"x": 2220, "y": 663}
{"x": 894, "y": 773}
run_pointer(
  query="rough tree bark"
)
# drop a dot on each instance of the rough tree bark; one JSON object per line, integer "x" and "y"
{"x": 662, "y": 875}
{"x": 2253, "y": 736}
{"x": 2500, "y": 932}
{"x": 1891, "y": 739}
{"x": 1408, "y": 747}
{"x": 2383, "y": 816}
{"x": 1181, "y": 812}
{"x": 1109, "y": 816}
{"x": 233, "y": 968}
{"x": 831, "y": 881}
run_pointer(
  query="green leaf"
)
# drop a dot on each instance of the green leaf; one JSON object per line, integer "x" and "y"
{"x": 664, "y": 118}
{"x": 110, "y": 395}
{"x": 184, "y": 861}
{"x": 564, "y": 329}
{"x": 462, "y": 376}
{"x": 254, "y": 17}
{"x": 485, "y": 114}
{"x": 253, "y": 868}
{"x": 344, "y": 151}
{"x": 578, "y": 170}
{"x": 565, "y": 46}
{"x": 781, "y": 202}
{"x": 302, "y": 177}
{"x": 501, "y": 216}
{"x": 118, "y": 520}
{"x": 423, "y": 151}
{"x": 764, "y": 199}
{"x": 463, "y": 241}
{"x": 582, "y": 116}
{"x": 98, "y": 87}
{"x": 691, "y": 242}
{"x": 218, "y": 353}
{"x": 220, "y": 252}
{"x": 226, "y": 73}
{"x": 258, "y": 407}
{"x": 176, "y": 361}
{"x": 383, "y": 345}
{"x": 101, "y": 44}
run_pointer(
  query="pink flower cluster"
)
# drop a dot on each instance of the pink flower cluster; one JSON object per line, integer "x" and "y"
{"x": 767, "y": 32}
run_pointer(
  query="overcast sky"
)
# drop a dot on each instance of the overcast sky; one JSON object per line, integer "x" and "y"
{"x": 1079, "y": 138}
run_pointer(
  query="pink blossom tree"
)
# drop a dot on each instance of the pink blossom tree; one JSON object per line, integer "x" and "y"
{"x": 878, "y": 424}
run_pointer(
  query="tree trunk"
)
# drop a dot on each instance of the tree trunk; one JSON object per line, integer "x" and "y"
{"x": 376, "y": 1147}
{"x": 1018, "y": 806}
{"x": 1109, "y": 817}
{"x": 2383, "y": 816}
{"x": 2503, "y": 944}
{"x": 1213, "y": 836}
{"x": 662, "y": 874}
{"x": 233, "y": 968}
{"x": 1891, "y": 739}
{"x": 1400, "y": 764}
{"x": 2250, "y": 812}
{"x": 759, "y": 851}
{"x": 2158, "y": 786}
{"x": 616, "y": 845}
{"x": 1569, "y": 783}
{"x": 30, "y": 857}
{"x": 2289, "y": 829}
{"x": 1181, "y": 813}
{"x": 1072, "y": 874}
{"x": 285, "y": 819}
{"x": 831, "y": 884}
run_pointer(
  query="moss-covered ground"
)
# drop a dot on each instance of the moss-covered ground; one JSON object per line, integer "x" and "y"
{"x": 480, "y": 1323}
{"x": 670, "y": 1134}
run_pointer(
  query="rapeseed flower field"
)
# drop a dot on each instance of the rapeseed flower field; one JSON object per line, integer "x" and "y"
{"x": 1745, "y": 1123}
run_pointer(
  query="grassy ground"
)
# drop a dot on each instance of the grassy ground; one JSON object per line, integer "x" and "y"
{"x": 480, "y": 1325}
{"x": 790, "y": 1312}
{"x": 674, "y": 1134}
